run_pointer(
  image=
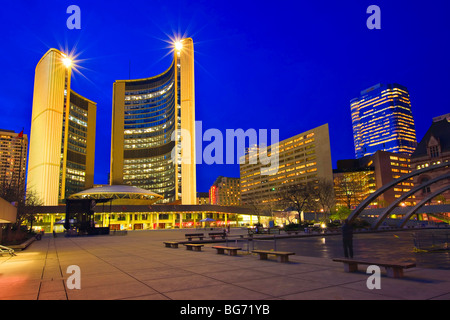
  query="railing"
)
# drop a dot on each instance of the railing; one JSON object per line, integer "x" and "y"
{"x": 436, "y": 240}
{"x": 248, "y": 244}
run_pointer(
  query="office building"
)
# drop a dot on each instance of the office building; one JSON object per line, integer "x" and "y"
{"x": 382, "y": 120}
{"x": 13, "y": 158}
{"x": 203, "y": 198}
{"x": 149, "y": 117}
{"x": 62, "y": 137}
{"x": 356, "y": 179}
{"x": 302, "y": 158}
{"x": 225, "y": 191}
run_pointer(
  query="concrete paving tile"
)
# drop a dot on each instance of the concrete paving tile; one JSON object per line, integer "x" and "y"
{"x": 17, "y": 286}
{"x": 53, "y": 295}
{"x": 159, "y": 273}
{"x": 165, "y": 285}
{"x": 238, "y": 275}
{"x": 20, "y": 297}
{"x": 219, "y": 292}
{"x": 442, "y": 297}
{"x": 211, "y": 267}
{"x": 157, "y": 296}
{"x": 280, "y": 285}
{"x": 91, "y": 270}
{"x": 331, "y": 276}
{"x": 104, "y": 279}
{"x": 52, "y": 286}
{"x": 336, "y": 293}
{"x": 406, "y": 288}
{"x": 110, "y": 292}
{"x": 289, "y": 269}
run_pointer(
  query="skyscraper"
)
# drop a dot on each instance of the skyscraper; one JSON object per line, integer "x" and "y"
{"x": 153, "y": 130}
{"x": 382, "y": 120}
{"x": 62, "y": 137}
{"x": 13, "y": 158}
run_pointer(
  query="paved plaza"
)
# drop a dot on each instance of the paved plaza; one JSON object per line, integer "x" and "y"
{"x": 138, "y": 266}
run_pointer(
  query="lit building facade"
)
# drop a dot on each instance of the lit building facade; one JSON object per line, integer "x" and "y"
{"x": 153, "y": 130}
{"x": 302, "y": 158}
{"x": 62, "y": 137}
{"x": 203, "y": 198}
{"x": 13, "y": 158}
{"x": 225, "y": 191}
{"x": 434, "y": 148}
{"x": 382, "y": 120}
{"x": 356, "y": 179}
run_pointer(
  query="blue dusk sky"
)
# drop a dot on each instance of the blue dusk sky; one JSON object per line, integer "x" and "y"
{"x": 287, "y": 65}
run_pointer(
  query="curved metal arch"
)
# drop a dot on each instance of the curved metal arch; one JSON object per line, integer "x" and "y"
{"x": 393, "y": 205}
{"x": 357, "y": 211}
{"x": 413, "y": 210}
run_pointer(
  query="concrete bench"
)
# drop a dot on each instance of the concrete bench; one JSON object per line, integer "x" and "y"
{"x": 194, "y": 247}
{"x": 232, "y": 250}
{"x": 190, "y": 236}
{"x": 171, "y": 244}
{"x": 213, "y": 235}
{"x": 393, "y": 269}
{"x": 263, "y": 254}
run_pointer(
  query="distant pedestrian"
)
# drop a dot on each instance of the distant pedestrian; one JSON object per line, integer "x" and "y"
{"x": 347, "y": 238}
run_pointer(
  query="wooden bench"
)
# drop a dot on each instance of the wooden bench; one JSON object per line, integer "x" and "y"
{"x": 232, "y": 250}
{"x": 284, "y": 256}
{"x": 193, "y": 246}
{"x": 190, "y": 236}
{"x": 213, "y": 235}
{"x": 171, "y": 244}
{"x": 393, "y": 269}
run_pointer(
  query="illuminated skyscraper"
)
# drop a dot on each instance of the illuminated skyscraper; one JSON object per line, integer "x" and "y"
{"x": 62, "y": 137}
{"x": 148, "y": 117}
{"x": 382, "y": 120}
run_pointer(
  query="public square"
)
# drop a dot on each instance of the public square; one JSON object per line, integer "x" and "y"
{"x": 137, "y": 266}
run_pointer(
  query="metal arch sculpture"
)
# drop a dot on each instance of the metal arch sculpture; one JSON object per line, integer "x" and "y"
{"x": 357, "y": 211}
{"x": 413, "y": 210}
{"x": 393, "y": 205}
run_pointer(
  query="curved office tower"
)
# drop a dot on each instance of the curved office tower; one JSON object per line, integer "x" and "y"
{"x": 153, "y": 130}
{"x": 62, "y": 137}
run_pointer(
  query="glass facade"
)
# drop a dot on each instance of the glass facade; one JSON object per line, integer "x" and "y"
{"x": 73, "y": 169}
{"x": 382, "y": 120}
{"x": 150, "y": 119}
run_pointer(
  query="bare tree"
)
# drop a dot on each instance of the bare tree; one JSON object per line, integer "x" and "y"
{"x": 26, "y": 202}
{"x": 348, "y": 189}
{"x": 300, "y": 196}
{"x": 324, "y": 194}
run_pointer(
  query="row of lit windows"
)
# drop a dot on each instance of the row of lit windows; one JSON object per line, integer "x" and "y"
{"x": 129, "y": 95}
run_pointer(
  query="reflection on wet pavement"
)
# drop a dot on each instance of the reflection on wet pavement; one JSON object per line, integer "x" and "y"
{"x": 386, "y": 245}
